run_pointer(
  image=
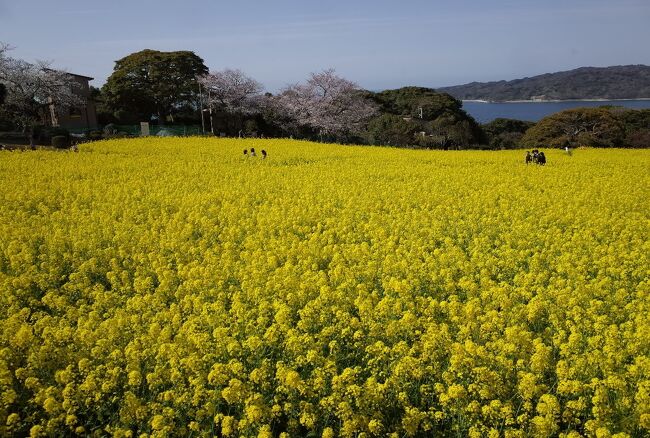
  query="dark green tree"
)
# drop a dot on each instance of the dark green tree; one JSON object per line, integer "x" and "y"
{"x": 634, "y": 120}
{"x": 438, "y": 117}
{"x": 105, "y": 115}
{"x": 597, "y": 127}
{"x": 505, "y": 133}
{"x": 637, "y": 127}
{"x": 390, "y": 129}
{"x": 417, "y": 102}
{"x": 155, "y": 84}
{"x": 449, "y": 131}
{"x": 3, "y": 93}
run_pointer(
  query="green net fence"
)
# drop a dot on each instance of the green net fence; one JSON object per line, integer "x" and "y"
{"x": 154, "y": 130}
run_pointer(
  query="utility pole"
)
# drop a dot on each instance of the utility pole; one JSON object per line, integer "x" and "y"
{"x": 210, "y": 107}
{"x": 201, "y": 104}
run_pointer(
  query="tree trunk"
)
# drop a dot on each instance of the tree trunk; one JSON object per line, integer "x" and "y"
{"x": 32, "y": 144}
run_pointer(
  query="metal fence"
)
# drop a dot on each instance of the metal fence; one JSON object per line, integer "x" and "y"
{"x": 154, "y": 130}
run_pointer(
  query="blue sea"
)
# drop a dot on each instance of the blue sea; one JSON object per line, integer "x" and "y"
{"x": 534, "y": 111}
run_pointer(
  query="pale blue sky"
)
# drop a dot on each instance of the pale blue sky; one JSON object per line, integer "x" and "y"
{"x": 379, "y": 44}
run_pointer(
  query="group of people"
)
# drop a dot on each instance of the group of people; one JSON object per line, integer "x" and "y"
{"x": 254, "y": 154}
{"x": 536, "y": 157}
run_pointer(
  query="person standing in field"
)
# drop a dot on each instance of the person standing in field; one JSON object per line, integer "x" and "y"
{"x": 541, "y": 159}
{"x": 253, "y": 152}
{"x": 529, "y": 157}
{"x": 263, "y": 154}
{"x": 246, "y": 153}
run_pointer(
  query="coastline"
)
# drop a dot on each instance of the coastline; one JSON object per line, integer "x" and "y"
{"x": 551, "y": 100}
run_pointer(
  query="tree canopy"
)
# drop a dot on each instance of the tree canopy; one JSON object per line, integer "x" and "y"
{"x": 231, "y": 91}
{"x": 327, "y": 103}
{"x": 390, "y": 129}
{"x": 408, "y": 101}
{"x": 30, "y": 89}
{"x": 156, "y": 84}
{"x": 505, "y": 133}
{"x": 437, "y": 117}
{"x": 599, "y": 127}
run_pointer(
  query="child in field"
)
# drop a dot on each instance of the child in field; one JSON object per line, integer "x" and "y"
{"x": 529, "y": 157}
{"x": 246, "y": 153}
{"x": 541, "y": 159}
{"x": 253, "y": 152}
{"x": 263, "y": 154}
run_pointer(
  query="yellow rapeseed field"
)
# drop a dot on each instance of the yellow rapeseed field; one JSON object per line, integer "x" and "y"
{"x": 173, "y": 287}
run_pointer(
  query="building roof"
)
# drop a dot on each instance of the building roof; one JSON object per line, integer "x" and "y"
{"x": 81, "y": 76}
{"x": 72, "y": 74}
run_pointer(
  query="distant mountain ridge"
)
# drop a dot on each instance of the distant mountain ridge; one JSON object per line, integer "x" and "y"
{"x": 616, "y": 82}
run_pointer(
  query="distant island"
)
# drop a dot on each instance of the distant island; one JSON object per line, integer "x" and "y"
{"x": 584, "y": 83}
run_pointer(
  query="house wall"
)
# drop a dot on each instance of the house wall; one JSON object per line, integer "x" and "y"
{"x": 82, "y": 117}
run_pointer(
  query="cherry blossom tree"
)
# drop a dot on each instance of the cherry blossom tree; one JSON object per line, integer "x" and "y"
{"x": 327, "y": 103}
{"x": 232, "y": 91}
{"x": 31, "y": 89}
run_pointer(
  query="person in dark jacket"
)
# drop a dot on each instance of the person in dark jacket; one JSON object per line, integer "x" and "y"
{"x": 535, "y": 156}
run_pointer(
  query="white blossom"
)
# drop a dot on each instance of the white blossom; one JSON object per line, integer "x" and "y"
{"x": 232, "y": 91}
{"x": 328, "y": 103}
{"x": 33, "y": 87}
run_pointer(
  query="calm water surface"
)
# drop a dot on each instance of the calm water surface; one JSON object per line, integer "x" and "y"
{"x": 533, "y": 111}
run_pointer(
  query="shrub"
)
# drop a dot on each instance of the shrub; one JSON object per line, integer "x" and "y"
{"x": 110, "y": 129}
{"x": 639, "y": 139}
{"x": 58, "y": 131}
{"x": 60, "y": 141}
{"x": 95, "y": 135}
{"x": 390, "y": 129}
{"x": 596, "y": 127}
{"x": 506, "y": 133}
{"x": 6, "y": 124}
{"x": 506, "y": 140}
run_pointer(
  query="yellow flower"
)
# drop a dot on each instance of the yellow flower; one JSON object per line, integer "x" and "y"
{"x": 158, "y": 422}
{"x": 228, "y": 425}
{"x": 167, "y": 286}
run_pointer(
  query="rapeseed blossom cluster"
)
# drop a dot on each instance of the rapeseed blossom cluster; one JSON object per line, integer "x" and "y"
{"x": 166, "y": 287}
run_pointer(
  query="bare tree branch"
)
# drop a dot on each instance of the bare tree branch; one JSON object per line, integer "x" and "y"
{"x": 232, "y": 91}
{"x": 32, "y": 88}
{"x": 328, "y": 103}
